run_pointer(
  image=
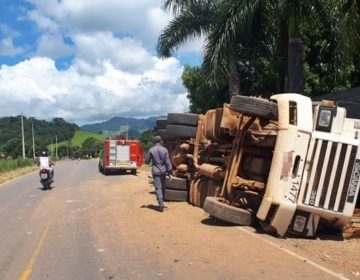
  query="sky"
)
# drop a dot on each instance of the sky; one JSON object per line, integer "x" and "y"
{"x": 89, "y": 60}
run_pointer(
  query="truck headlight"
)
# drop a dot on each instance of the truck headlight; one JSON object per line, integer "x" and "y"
{"x": 299, "y": 223}
{"x": 324, "y": 118}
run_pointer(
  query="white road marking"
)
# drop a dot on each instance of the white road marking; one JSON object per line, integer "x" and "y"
{"x": 71, "y": 201}
{"x": 314, "y": 264}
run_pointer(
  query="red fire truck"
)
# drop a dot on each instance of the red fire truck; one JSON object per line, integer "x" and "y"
{"x": 121, "y": 155}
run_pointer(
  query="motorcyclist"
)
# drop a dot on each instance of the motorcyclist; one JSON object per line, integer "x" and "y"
{"x": 46, "y": 163}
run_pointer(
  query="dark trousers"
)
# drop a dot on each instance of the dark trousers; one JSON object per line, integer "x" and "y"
{"x": 159, "y": 183}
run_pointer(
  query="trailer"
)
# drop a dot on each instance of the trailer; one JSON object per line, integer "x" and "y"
{"x": 121, "y": 156}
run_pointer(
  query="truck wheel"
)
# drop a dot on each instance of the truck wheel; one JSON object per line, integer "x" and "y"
{"x": 176, "y": 195}
{"x": 163, "y": 133}
{"x": 227, "y": 213}
{"x": 161, "y": 123}
{"x": 181, "y": 131}
{"x": 183, "y": 119}
{"x": 133, "y": 171}
{"x": 254, "y": 106}
{"x": 176, "y": 183}
{"x": 199, "y": 192}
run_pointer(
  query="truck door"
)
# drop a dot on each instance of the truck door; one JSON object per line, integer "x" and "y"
{"x": 122, "y": 153}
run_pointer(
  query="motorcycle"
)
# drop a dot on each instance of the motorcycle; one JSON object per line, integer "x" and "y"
{"x": 46, "y": 178}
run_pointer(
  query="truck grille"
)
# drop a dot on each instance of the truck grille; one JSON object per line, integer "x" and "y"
{"x": 329, "y": 175}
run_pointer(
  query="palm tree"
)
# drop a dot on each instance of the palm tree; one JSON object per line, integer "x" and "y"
{"x": 213, "y": 19}
{"x": 238, "y": 35}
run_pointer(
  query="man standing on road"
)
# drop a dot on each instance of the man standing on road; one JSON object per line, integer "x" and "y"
{"x": 161, "y": 166}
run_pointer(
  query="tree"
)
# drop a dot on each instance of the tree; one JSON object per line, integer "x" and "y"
{"x": 201, "y": 94}
{"x": 13, "y": 148}
{"x": 238, "y": 33}
{"x": 91, "y": 147}
{"x": 44, "y": 131}
{"x": 146, "y": 139}
{"x": 229, "y": 27}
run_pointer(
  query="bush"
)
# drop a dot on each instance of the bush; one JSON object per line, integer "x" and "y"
{"x": 12, "y": 164}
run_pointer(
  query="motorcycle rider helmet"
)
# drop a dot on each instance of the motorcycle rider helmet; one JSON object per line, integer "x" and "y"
{"x": 44, "y": 154}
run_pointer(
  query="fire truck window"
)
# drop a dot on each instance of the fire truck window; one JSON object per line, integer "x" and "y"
{"x": 292, "y": 113}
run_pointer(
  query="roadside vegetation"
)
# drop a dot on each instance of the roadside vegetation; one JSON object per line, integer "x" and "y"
{"x": 13, "y": 164}
{"x": 146, "y": 139}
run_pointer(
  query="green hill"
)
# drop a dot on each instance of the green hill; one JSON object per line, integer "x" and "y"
{"x": 119, "y": 125}
{"x": 45, "y": 132}
{"x": 79, "y": 137}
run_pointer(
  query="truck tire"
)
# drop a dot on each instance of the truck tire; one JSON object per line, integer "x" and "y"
{"x": 183, "y": 119}
{"x": 163, "y": 133}
{"x": 176, "y": 183}
{"x": 181, "y": 131}
{"x": 227, "y": 213}
{"x": 176, "y": 195}
{"x": 198, "y": 193}
{"x": 254, "y": 106}
{"x": 161, "y": 124}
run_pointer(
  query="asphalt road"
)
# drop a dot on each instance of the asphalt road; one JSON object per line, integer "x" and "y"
{"x": 91, "y": 226}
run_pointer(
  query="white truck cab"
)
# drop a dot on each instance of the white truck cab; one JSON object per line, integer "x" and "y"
{"x": 315, "y": 167}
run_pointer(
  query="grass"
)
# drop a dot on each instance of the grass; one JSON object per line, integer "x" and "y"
{"x": 9, "y": 175}
{"x": 79, "y": 137}
{"x": 13, "y": 164}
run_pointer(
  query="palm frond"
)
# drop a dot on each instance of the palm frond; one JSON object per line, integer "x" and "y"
{"x": 233, "y": 24}
{"x": 194, "y": 21}
{"x": 179, "y": 6}
{"x": 350, "y": 21}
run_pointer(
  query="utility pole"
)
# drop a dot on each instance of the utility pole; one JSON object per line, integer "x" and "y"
{"x": 22, "y": 136}
{"x": 33, "y": 139}
{"x": 56, "y": 151}
{"x": 51, "y": 151}
{"x": 127, "y": 133}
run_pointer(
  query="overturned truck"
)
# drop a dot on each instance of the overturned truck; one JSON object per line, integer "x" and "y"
{"x": 283, "y": 163}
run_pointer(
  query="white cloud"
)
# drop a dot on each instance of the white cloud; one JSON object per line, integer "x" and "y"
{"x": 143, "y": 19}
{"x": 8, "y": 32}
{"x": 44, "y": 22}
{"x": 36, "y": 88}
{"x": 126, "y": 54}
{"x": 53, "y": 46}
{"x": 114, "y": 70}
{"x": 7, "y": 48}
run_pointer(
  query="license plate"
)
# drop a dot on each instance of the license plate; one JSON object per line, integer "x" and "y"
{"x": 122, "y": 165}
{"x": 43, "y": 176}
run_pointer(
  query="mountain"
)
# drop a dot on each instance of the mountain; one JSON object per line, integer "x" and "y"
{"x": 119, "y": 125}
